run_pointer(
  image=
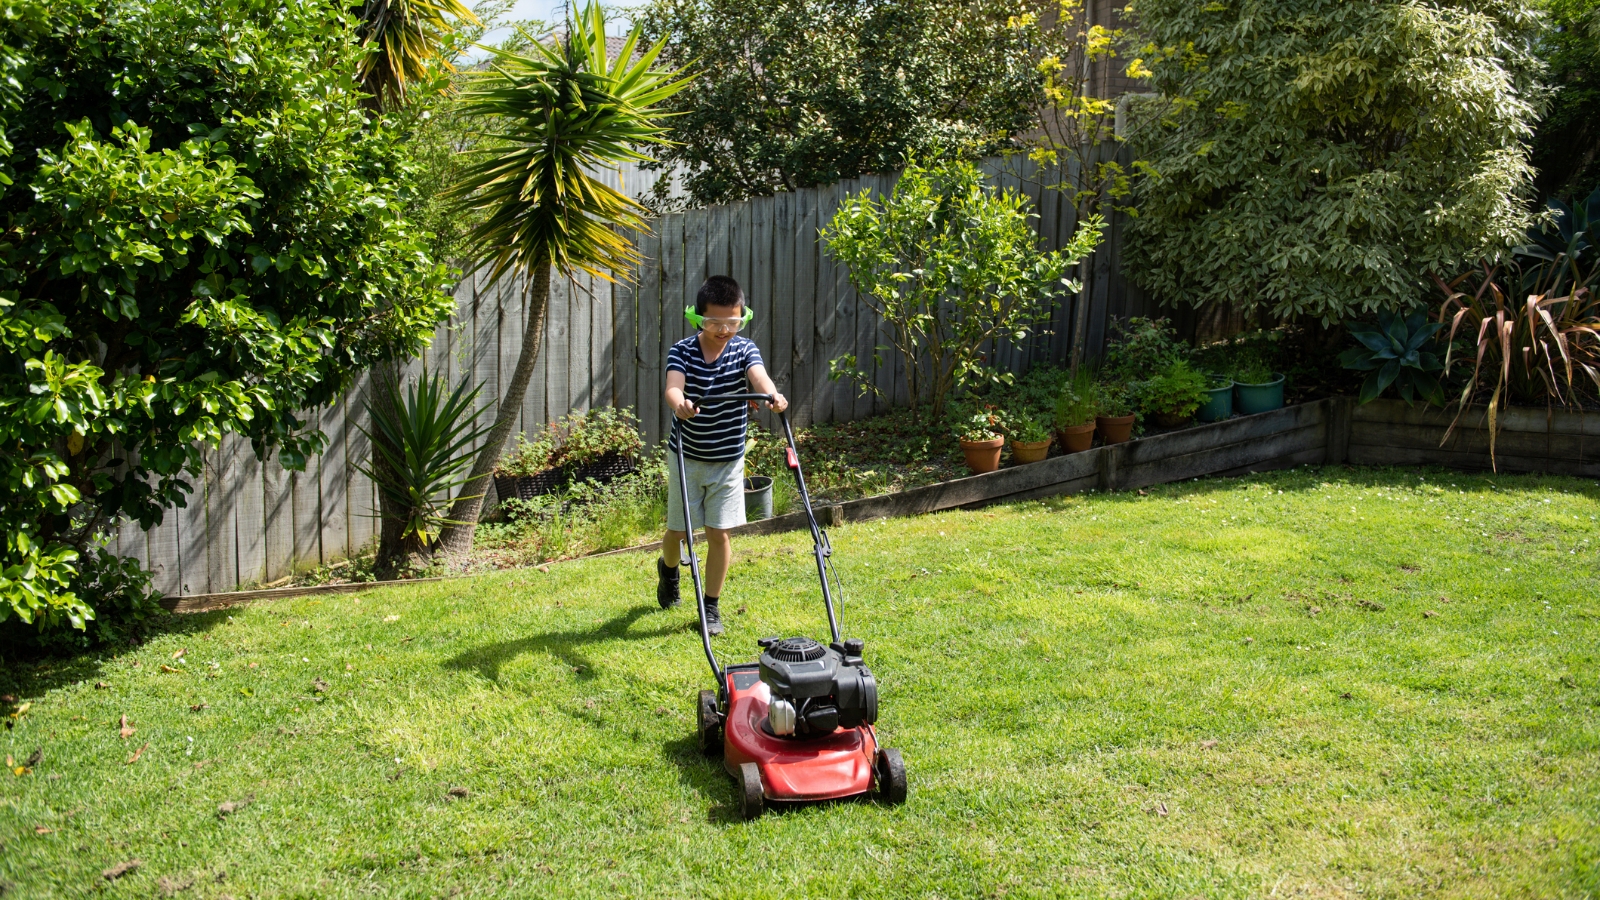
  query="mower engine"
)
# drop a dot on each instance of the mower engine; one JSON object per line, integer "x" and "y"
{"x": 816, "y": 689}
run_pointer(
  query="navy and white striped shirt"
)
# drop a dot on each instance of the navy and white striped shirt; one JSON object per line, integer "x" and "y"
{"x": 716, "y": 433}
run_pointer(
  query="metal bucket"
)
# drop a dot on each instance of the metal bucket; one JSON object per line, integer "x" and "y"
{"x": 757, "y": 498}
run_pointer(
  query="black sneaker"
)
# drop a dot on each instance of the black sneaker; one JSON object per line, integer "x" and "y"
{"x": 713, "y": 618}
{"x": 667, "y": 585}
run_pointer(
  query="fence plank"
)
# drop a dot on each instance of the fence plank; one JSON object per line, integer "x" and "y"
{"x": 647, "y": 363}
{"x": 360, "y": 494}
{"x": 804, "y": 311}
{"x": 307, "y": 517}
{"x": 277, "y": 492}
{"x": 780, "y": 298}
{"x": 602, "y": 333}
{"x": 250, "y": 516}
{"x": 578, "y": 313}
{"x": 669, "y": 314}
{"x": 624, "y": 334}
{"x": 164, "y": 559}
{"x": 192, "y": 543}
{"x": 827, "y": 313}
{"x": 331, "y": 470}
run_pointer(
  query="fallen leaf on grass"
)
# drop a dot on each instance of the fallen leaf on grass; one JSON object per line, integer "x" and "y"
{"x": 136, "y": 754}
{"x": 318, "y": 685}
{"x": 167, "y": 668}
{"x": 247, "y": 692}
{"x": 179, "y": 654}
{"x": 121, "y": 869}
{"x": 203, "y": 762}
{"x": 233, "y": 806}
{"x": 1345, "y": 696}
{"x": 127, "y": 730}
{"x": 1373, "y": 605}
{"x": 1160, "y": 809}
{"x": 1428, "y": 614}
{"x": 1207, "y": 745}
{"x": 459, "y": 791}
{"x": 545, "y": 569}
{"x": 40, "y": 829}
{"x": 101, "y": 686}
{"x": 8, "y": 698}
{"x": 196, "y": 707}
{"x": 34, "y": 758}
{"x": 168, "y": 885}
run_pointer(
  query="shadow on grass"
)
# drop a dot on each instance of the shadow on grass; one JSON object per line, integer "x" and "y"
{"x": 564, "y": 645}
{"x": 28, "y": 673}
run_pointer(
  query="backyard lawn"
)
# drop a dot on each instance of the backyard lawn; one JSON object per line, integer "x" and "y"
{"x": 1325, "y": 682}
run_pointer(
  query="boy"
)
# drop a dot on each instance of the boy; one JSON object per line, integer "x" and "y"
{"x": 714, "y": 361}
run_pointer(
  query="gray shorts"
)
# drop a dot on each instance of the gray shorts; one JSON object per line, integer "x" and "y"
{"x": 716, "y": 493}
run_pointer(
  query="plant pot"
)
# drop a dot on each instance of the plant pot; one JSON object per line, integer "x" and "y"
{"x": 982, "y": 456}
{"x": 758, "y": 498}
{"x": 1029, "y": 451}
{"x": 608, "y": 467}
{"x": 1219, "y": 403}
{"x": 1168, "y": 420}
{"x": 1250, "y": 399}
{"x": 1077, "y": 438}
{"x": 1114, "y": 429}
{"x": 526, "y": 487}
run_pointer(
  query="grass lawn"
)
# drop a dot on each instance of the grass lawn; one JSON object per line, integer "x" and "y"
{"x": 1317, "y": 683}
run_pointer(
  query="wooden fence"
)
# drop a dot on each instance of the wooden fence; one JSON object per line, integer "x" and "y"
{"x": 250, "y": 522}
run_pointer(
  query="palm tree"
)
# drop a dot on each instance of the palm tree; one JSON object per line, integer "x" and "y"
{"x": 557, "y": 114}
{"x": 403, "y": 37}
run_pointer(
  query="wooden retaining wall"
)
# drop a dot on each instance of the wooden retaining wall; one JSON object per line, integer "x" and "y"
{"x": 1392, "y": 433}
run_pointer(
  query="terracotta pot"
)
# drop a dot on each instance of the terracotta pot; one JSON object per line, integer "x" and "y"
{"x": 983, "y": 456}
{"x": 1167, "y": 420}
{"x": 1114, "y": 429}
{"x": 1077, "y": 438}
{"x": 1029, "y": 451}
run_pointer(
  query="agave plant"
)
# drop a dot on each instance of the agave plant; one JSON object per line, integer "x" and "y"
{"x": 1398, "y": 351}
{"x": 559, "y": 112}
{"x": 422, "y": 439}
{"x": 1563, "y": 253}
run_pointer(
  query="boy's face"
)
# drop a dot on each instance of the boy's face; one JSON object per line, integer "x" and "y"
{"x": 721, "y": 323}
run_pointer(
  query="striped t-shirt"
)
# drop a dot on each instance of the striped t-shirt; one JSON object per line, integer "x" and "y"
{"x": 716, "y": 433}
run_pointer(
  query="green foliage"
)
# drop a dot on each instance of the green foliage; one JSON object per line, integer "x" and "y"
{"x": 1079, "y": 400}
{"x": 1174, "y": 393}
{"x": 948, "y": 264}
{"x": 555, "y": 114}
{"x": 115, "y": 589}
{"x": 406, "y": 42}
{"x": 600, "y": 432}
{"x": 529, "y": 458}
{"x": 988, "y": 425}
{"x": 424, "y": 439}
{"x": 1252, "y": 370}
{"x": 1027, "y": 429}
{"x": 795, "y": 94}
{"x": 1398, "y": 351}
{"x": 1113, "y": 400}
{"x": 1141, "y": 346}
{"x": 1568, "y": 137}
{"x": 1323, "y": 157}
{"x": 206, "y": 235}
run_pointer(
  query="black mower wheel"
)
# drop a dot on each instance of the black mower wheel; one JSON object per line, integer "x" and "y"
{"x": 709, "y": 723}
{"x": 891, "y": 776}
{"x": 750, "y": 800}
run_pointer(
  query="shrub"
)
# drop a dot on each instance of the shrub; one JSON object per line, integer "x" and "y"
{"x": 597, "y": 433}
{"x": 1113, "y": 400}
{"x": 528, "y": 458}
{"x": 949, "y": 265}
{"x": 1322, "y": 157}
{"x": 1078, "y": 401}
{"x": 1139, "y": 347}
{"x": 1175, "y": 393}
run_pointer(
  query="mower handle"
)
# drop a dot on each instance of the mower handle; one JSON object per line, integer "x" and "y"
{"x": 820, "y": 546}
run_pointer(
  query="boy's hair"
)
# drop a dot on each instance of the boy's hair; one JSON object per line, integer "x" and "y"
{"x": 718, "y": 290}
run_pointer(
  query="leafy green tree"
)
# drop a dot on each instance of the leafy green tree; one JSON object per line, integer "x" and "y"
{"x": 1566, "y": 147}
{"x": 798, "y": 93}
{"x": 206, "y": 235}
{"x": 555, "y": 113}
{"x": 949, "y": 265}
{"x": 1323, "y": 157}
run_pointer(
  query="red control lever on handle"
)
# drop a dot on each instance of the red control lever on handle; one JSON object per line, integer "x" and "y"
{"x": 792, "y": 460}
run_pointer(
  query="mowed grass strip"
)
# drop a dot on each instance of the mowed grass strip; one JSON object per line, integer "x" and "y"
{"x": 1325, "y": 682}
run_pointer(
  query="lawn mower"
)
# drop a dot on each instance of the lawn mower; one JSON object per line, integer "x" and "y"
{"x": 796, "y": 725}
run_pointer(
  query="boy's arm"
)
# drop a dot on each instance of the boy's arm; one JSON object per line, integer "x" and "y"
{"x": 676, "y": 401}
{"x": 761, "y": 383}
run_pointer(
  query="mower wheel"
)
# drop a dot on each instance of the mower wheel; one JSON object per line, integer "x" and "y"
{"x": 891, "y": 776}
{"x": 710, "y": 723}
{"x": 750, "y": 801}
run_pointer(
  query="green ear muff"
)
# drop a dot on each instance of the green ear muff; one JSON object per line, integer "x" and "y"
{"x": 699, "y": 321}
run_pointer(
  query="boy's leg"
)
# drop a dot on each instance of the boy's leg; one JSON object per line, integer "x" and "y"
{"x": 719, "y": 555}
{"x": 724, "y": 509}
{"x": 668, "y": 592}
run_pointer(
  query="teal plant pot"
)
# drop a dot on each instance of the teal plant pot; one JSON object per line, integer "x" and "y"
{"x": 1219, "y": 402}
{"x": 1250, "y": 399}
{"x": 757, "y": 498}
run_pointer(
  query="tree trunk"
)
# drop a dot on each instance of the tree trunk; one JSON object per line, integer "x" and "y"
{"x": 456, "y": 539}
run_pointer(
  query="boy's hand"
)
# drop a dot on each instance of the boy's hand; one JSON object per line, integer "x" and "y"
{"x": 779, "y": 402}
{"x": 685, "y": 409}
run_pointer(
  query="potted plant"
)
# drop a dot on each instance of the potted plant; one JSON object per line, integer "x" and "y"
{"x": 1030, "y": 441}
{"x": 1113, "y": 413}
{"x": 1075, "y": 412}
{"x": 601, "y": 444}
{"x": 1173, "y": 395}
{"x": 1219, "y": 399}
{"x": 1256, "y": 388}
{"x": 981, "y": 441}
{"x": 526, "y": 471}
